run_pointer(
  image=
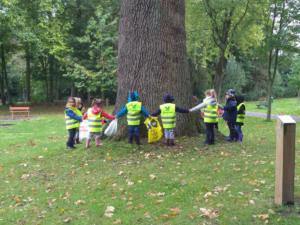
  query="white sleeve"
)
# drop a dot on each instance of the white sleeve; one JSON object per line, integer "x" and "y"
{"x": 198, "y": 107}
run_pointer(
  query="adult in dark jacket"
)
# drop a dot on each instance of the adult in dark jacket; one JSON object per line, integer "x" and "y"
{"x": 230, "y": 114}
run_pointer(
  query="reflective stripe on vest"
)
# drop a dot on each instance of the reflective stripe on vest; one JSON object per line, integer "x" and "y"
{"x": 211, "y": 113}
{"x": 71, "y": 123}
{"x": 168, "y": 115}
{"x": 240, "y": 116}
{"x": 95, "y": 125}
{"x": 78, "y": 113}
{"x": 134, "y": 113}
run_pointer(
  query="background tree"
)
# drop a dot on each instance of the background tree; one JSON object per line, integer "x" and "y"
{"x": 152, "y": 55}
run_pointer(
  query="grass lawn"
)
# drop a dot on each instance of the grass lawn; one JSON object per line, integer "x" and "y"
{"x": 290, "y": 106}
{"x": 43, "y": 183}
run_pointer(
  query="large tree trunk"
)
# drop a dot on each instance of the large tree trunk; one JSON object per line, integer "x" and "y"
{"x": 152, "y": 56}
{"x": 5, "y": 83}
{"x": 2, "y": 92}
{"x": 219, "y": 76}
{"x": 28, "y": 73}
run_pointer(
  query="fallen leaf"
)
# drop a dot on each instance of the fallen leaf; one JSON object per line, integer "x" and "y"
{"x": 109, "y": 212}
{"x": 67, "y": 220}
{"x": 263, "y": 216}
{"x": 79, "y": 202}
{"x": 152, "y": 176}
{"x": 117, "y": 221}
{"x": 209, "y": 213}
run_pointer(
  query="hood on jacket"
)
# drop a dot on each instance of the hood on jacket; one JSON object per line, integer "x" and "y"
{"x": 133, "y": 96}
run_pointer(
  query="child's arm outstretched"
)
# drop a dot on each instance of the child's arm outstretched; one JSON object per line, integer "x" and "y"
{"x": 122, "y": 112}
{"x": 107, "y": 115}
{"x": 144, "y": 112}
{"x": 198, "y": 107}
{"x": 181, "y": 110}
{"x": 73, "y": 116}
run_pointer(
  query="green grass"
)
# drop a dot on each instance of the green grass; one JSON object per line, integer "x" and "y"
{"x": 42, "y": 182}
{"x": 290, "y": 106}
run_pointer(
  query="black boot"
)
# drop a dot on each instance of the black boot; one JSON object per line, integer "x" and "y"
{"x": 172, "y": 142}
{"x": 137, "y": 140}
{"x": 130, "y": 139}
{"x": 168, "y": 142}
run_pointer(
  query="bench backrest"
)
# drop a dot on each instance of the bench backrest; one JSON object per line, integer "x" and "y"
{"x": 21, "y": 108}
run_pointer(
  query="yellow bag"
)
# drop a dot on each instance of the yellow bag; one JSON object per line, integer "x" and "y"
{"x": 154, "y": 129}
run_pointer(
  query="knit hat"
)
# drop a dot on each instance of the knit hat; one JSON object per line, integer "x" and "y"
{"x": 230, "y": 92}
{"x": 133, "y": 96}
{"x": 168, "y": 98}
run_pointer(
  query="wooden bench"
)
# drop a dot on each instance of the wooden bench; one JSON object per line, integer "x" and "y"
{"x": 19, "y": 109}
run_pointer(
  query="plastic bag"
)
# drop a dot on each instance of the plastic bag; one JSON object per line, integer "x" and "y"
{"x": 154, "y": 129}
{"x": 112, "y": 128}
{"x": 84, "y": 130}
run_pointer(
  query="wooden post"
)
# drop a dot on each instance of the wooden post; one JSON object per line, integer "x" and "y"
{"x": 285, "y": 160}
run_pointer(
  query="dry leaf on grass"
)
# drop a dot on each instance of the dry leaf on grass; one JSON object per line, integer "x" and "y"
{"x": 109, "y": 211}
{"x": 79, "y": 202}
{"x": 117, "y": 221}
{"x": 263, "y": 216}
{"x": 152, "y": 176}
{"x": 209, "y": 213}
{"x": 67, "y": 220}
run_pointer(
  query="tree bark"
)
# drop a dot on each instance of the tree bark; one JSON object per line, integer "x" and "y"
{"x": 2, "y": 92}
{"x": 5, "y": 85}
{"x": 28, "y": 72}
{"x": 152, "y": 57}
{"x": 51, "y": 78}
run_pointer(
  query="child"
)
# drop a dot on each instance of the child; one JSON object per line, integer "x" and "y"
{"x": 134, "y": 108}
{"x": 241, "y": 112}
{"x": 167, "y": 111}
{"x": 78, "y": 112}
{"x": 72, "y": 121}
{"x": 95, "y": 116}
{"x": 210, "y": 115}
{"x": 230, "y": 114}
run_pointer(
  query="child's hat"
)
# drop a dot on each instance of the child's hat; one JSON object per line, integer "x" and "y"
{"x": 230, "y": 92}
{"x": 168, "y": 98}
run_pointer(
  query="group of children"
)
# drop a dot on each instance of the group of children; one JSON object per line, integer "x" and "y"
{"x": 233, "y": 113}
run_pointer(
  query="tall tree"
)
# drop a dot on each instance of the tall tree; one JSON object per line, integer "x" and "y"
{"x": 225, "y": 18}
{"x": 152, "y": 55}
{"x": 281, "y": 36}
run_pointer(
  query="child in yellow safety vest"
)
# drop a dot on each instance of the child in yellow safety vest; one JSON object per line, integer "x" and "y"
{"x": 95, "y": 115}
{"x": 134, "y": 109}
{"x": 72, "y": 121}
{"x": 167, "y": 112}
{"x": 210, "y": 106}
{"x": 240, "y": 119}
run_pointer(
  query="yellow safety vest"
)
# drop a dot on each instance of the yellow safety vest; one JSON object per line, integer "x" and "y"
{"x": 240, "y": 116}
{"x": 71, "y": 123}
{"x": 95, "y": 125}
{"x": 134, "y": 113}
{"x": 168, "y": 115}
{"x": 78, "y": 113}
{"x": 211, "y": 113}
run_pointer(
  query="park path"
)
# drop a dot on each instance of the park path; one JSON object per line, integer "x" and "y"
{"x": 264, "y": 115}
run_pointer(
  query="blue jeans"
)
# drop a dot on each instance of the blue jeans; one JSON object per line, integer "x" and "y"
{"x": 210, "y": 134}
{"x": 238, "y": 128}
{"x": 134, "y": 132}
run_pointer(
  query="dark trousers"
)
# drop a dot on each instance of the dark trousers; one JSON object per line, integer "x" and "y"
{"x": 210, "y": 133}
{"x": 71, "y": 139}
{"x": 239, "y": 131}
{"x": 134, "y": 132}
{"x": 232, "y": 131}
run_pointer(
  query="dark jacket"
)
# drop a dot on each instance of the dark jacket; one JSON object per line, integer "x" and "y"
{"x": 230, "y": 110}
